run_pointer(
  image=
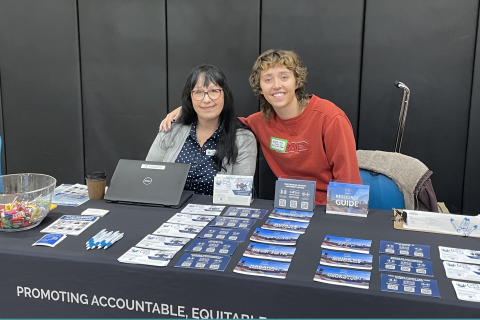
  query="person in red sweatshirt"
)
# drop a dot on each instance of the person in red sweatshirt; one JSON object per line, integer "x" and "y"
{"x": 300, "y": 135}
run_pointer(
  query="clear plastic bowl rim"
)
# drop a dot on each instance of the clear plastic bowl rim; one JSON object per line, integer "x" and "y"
{"x": 38, "y": 174}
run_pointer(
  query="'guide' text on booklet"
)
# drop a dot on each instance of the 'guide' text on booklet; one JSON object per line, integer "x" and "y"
{"x": 406, "y": 265}
{"x": 238, "y": 235}
{"x": 459, "y": 255}
{"x": 405, "y": 249}
{"x": 148, "y": 257}
{"x": 71, "y": 225}
{"x": 347, "y": 199}
{"x": 232, "y": 190}
{"x": 346, "y": 260}
{"x": 203, "y": 209}
{"x": 242, "y": 223}
{"x": 178, "y": 230}
{"x": 213, "y": 246}
{"x": 245, "y": 212}
{"x": 263, "y": 268}
{"x": 203, "y": 261}
{"x": 162, "y": 243}
{"x": 467, "y": 291}
{"x": 285, "y": 225}
{"x": 292, "y": 215}
{"x": 347, "y": 244}
{"x": 401, "y": 284}
{"x": 343, "y": 277}
{"x": 275, "y": 237}
{"x": 191, "y": 219}
{"x": 462, "y": 271}
{"x": 269, "y": 252}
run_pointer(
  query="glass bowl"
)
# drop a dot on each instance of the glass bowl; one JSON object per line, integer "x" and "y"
{"x": 24, "y": 200}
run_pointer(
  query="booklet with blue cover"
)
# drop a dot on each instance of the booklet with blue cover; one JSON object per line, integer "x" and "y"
{"x": 191, "y": 219}
{"x": 242, "y": 223}
{"x": 346, "y": 259}
{"x": 275, "y": 237}
{"x": 293, "y": 215}
{"x": 269, "y": 252}
{"x": 162, "y": 243}
{"x": 405, "y": 265}
{"x": 343, "y": 277}
{"x": 203, "y": 261}
{"x": 347, "y": 244}
{"x": 213, "y": 246}
{"x": 295, "y": 194}
{"x": 285, "y": 225}
{"x": 245, "y": 212}
{"x": 405, "y": 249}
{"x": 50, "y": 240}
{"x": 238, "y": 235}
{"x": 263, "y": 268}
{"x": 347, "y": 199}
{"x": 401, "y": 284}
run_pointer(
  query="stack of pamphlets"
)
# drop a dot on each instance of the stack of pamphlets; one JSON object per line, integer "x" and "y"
{"x": 191, "y": 219}
{"x": 70, "y": 195}
{"x": 162, "y": 243}
{"x": 158, "y": 258}
{"x": 70, "y": 225}
{"x": 203, "y": 209}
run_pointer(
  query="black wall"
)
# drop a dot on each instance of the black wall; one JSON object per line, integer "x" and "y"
{"x": 84, "y": 83}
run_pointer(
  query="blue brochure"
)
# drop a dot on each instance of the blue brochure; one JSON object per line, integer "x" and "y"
{"x": 203, "y": 261}
{"x": 346, "y": 259}
{"x": 242, "y": 223}
{"x": 347, "y": 199}
{"x": 342, "y": 277}
{"x": 405, "y": 265}
{"x": 213, "y": 246}
{"x": 295, "y": 194}
{"x": 275, "y": 237}
{"x": 269, "y": 252}
{"x": 405, "y": 249}
{"x": 238, "y": 235}
{"x": 245, "y": 212}
{"x": 50, "y": 240}
{"x": 284, "y": 214}
{"x": 401, "y": 284}
{"x": 346, "y": 244}
{"x": 285, "y": 225}
{"x": 262, "y": 268}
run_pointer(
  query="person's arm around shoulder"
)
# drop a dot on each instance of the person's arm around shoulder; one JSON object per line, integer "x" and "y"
{"x": 161, "y": 144}
{"x": 247, "y": 153}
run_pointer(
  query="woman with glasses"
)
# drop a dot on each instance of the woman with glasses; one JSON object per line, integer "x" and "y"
{"x": 208, "y": 134}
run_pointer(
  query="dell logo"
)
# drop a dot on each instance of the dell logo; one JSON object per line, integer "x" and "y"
{"x": 147, "y": 181}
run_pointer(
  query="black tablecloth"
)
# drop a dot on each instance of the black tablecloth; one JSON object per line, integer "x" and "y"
{"x": 69, "y": 282}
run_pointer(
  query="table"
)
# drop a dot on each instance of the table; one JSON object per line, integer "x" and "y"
{"x": 69, "y": 282}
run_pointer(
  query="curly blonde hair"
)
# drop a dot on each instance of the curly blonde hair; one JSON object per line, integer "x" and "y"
{"x": 273, "y": 58}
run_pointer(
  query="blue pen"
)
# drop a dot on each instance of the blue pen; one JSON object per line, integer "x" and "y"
{"x": 120, "y": 236}
{"x": 94, "y": 238}
{"x": 99, "y": 240}
{"x": 108, "y": 239}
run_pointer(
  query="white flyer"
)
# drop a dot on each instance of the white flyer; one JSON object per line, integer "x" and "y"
{"x": 94, "y": 212}
{"x": 149, "y": 257}
{"x": 191, "y": 219}
{"x": 454, "y": 224}
{"x": 459, "y": 255}
{"x": 178, "y": 230}
{"x": 68, "y": 195}
{"x": 71, "y": 225}
{"x": 233, "y": 190}
{"x": 467, "y": 291}
{"x": 203, "y": 209}
{"x": 462, "y": 271}
{"x": 162, "y": 243}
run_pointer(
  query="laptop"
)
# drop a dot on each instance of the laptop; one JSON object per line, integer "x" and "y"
{"x": 149, "y": 183}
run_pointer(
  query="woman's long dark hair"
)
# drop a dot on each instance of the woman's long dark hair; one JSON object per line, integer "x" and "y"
{"x": 228, "y": 122}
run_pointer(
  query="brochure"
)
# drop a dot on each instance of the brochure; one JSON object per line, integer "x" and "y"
{"x": 347, "y": 199}
{"x": 269, "y": 252}
{"x": 462, "y": 271}
{"x": 238, "y": 235}
{"x": 233, "y": 190}
{"x": 346, "y": 259}
{"x": 94, "y": 212}
{"x": 459, "y": 255}
{"x": 68, "y": 195}
{"x": 242, "y": 223}
{"x": 401, "y": 284}
{"x": 245, "y": 212}
{"x": 50, "y": 240}
{"x": 178, "y": 230}
{"x": 263, "y": 268}
{"x": 70, "y": 225}
{"x": 284, "y": 214}
{"x": 191, "y": 219}
{"x": 405, "y": 265}
{"x": 285, "y": 225}
{"x": 347, "y": 244}
{"x": 295, "y": 194}
{"x": 210, "y": 246}
{"x": 275, "y": 237}
{"x": 148, "y": 257}
{"x": 405, "y": 249}
{"x": 203, "y": 261}
{"x": 162, "y": 243}
{"x": 343, "y": 277}
{"x": 467, "y": 291}
{"x": 203, "y": 209}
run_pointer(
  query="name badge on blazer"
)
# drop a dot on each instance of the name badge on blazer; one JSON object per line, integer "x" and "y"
{"x": 210, "y": 152}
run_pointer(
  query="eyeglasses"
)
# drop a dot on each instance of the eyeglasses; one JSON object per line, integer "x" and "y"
{"x": 199, "y": 95}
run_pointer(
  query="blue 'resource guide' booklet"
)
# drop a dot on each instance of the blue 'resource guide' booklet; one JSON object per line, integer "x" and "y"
{"x": 269, "y": 252}
{"x": 242, "y": 223}
{"x": 406, "y": 265}
{"x": 292, "y": 215}
{"x": 410, "y": 285}
{"x": 213, "y": 246}
{"x": 343, "y": 277}
{"x": 275, "y": 237}
{"x": 347, "y": 244}
{"x": 346, "y": 259}
{"x": 285, "y": 225}
{"x": 203, "y": 261}
{"x": 238, "y": 235}
{"x": 405, "y": 249}
{"x": 263, "y": 268}
{"x": 240, "y": 212}
{"x": 347, "y": 199}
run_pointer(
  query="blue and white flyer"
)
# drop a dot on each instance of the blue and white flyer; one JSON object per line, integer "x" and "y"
{"x": 405, "y": 249}
{"x": 406, "y": 265}
{"x": 454, "y": 224}
{"x": 207, "y": 209}
{"x": 343, "y": 277}
{"x": 347, "y": 244}
{"x": 467, "y": 291}
{"x": 191, "y": 219}
{"x": 269, "y": 252}
{"x": 50, "y": 240}
{"x": 178, "y": 230}
{"x": 346, "y": 259}
{"x": 238, "y": 235}
{"x": 347, "y": 199}
{"x": 462, "y": 271}
{"x": 213, "y": 246}
{"x": 263, "y": 268}
{"x": 162, "y": 243}
{"x": 233, "y": 190}
{"x": 71, "y": 225}
{"x": 246, "y": 212}
{"x": 401, "y": 284}
{"x": 459, "y": 255}
{"x": 285, "y": 225}
{"x": 203, "y": 261}
{"x": 292, "y": 215}
{"x": 275, "y": 237}
{"x": 242, "y": 223}
{"x": 148, "y": 257}
{"x": 70, "y": 195}
{"x": 295, "y": 194}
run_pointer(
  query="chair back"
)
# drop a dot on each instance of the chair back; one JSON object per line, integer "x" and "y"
{"x": 384, "y": 193}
